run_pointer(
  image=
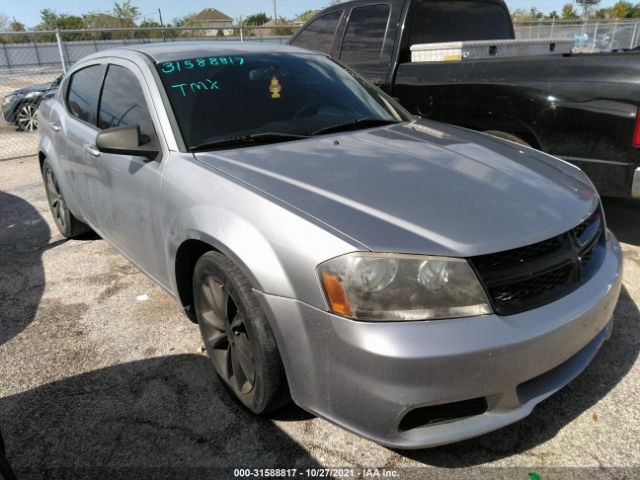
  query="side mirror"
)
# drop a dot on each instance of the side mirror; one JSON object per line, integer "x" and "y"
{"x": 126, "y": 141}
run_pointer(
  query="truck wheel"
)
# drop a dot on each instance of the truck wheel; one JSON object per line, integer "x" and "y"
{"x": 236, "y": 334}
{"x": 68, "y": 225}
{"x": 507, "y": 136}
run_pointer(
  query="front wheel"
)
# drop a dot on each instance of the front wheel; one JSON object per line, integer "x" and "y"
{"x": 27, "y": 117}
{"x": 236, "y": 334}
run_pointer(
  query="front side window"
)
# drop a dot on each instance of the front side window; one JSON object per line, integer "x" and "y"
{"x": 226, "y": 97}
{"x": 364, "y": 38}
{"x": 123, "y": 103}
{"x": 84, "y": 88}
{"x": 319, "y": 35}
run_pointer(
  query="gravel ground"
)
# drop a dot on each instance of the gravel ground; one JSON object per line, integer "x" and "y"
{"x": 101, "y": 374}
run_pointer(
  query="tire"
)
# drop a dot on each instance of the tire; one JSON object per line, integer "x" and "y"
{"x": 6, "y": 473}
{"x": 508, "y": 136}
{"x": 236, "y": 334}
{"x": 68, "y": 225}
{"x": 27, "y": 117}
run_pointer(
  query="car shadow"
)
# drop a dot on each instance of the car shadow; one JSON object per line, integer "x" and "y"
{"x": 166, "y": 417}
{"x": 623, "y": 219}
{"x": 24, "y": 236}
{"x": 614, "y": 360}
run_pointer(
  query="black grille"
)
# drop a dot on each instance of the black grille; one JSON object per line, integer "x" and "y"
{"x": 534, "y": 275}
{"x": 423, "y": 416}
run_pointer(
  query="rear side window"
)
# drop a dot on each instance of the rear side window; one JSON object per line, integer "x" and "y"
{"x": 123, "y": 103}
{"x": 319, "y": 35}
{"x": 84, "y": 88}
{"x": 364, "y": 38}
{"x": 459, "y": 20}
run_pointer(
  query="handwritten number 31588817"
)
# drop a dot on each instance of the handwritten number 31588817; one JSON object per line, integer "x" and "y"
{"x": 178, "y": 66}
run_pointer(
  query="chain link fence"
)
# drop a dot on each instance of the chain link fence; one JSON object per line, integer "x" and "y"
{"x": 592, "y": 36}
{"x": 31, "y": 62}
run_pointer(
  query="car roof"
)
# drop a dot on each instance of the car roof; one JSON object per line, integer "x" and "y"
{"x": 164, "y": 52}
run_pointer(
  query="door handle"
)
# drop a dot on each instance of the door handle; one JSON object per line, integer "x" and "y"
{"x": 55, "y": 127}
{"x": 92, "y": 150}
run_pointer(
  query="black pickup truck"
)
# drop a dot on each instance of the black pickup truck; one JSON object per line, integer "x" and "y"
{"x": 582, "y": 108}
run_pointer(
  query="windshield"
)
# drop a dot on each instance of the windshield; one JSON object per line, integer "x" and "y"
{"x": 270, "y": 97}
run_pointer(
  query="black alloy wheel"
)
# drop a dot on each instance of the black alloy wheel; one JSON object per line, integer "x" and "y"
{"x": 236, "y": 334}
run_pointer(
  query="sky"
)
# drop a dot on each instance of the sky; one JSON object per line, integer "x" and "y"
{"x": 28, "y": 12}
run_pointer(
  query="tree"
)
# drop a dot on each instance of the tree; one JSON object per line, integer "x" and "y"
{"x": 303, "y": 17}
{"x": 126, "y": 12}
{"x": 50, "y": 20}
{"x": 16, "y": 26}
{"x": 568, "y": 12}
{"x": 283, "y": 31}
{"x": 535, "y": 14}
{"x": 625, "y": 10}
{"x": 4, "y": 22}
{"x": 519, "y": 15}
{"x": 553, "y": 15}
{"x": 257, "y": 19}
{"x": 600, "y": 14}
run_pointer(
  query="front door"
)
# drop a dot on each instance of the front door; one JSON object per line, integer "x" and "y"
{"x": 127, "y": 188}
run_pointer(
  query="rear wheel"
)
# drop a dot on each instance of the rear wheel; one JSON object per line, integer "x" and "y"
{"x": 27, "y": 117}
{"x": 236, "y": 334}
{"x": 508, "y": 136}
{"x": 68, "y": 225}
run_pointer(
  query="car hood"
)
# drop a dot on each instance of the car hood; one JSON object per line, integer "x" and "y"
{"x": 41, "y": 87}
{"x": 419, "y": 187}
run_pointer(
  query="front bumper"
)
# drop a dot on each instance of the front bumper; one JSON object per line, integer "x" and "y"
{"x": 367, "y": 376}
{"x": 9, "y": 112}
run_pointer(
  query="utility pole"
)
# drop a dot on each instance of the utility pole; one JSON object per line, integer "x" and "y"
{"x": 162, "y": 25}
{"x": 275, "y": 12}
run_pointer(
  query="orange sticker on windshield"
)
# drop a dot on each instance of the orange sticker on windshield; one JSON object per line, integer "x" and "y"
{"x": 275, "y": 88}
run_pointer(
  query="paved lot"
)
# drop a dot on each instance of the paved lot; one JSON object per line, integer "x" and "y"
{"x": 94, "y": 376}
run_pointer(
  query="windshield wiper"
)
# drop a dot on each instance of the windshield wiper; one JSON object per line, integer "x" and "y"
{"x": 354, "y": 125}
{"x": 254, "y": 139}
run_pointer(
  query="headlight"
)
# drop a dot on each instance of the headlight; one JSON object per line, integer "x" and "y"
{"x": 7, "y": 99}
{"x": 379, "y": 286}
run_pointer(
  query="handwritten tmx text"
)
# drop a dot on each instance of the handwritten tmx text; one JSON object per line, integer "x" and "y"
{"x": 193, "y": 87}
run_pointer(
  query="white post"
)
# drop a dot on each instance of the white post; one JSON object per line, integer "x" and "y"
{"x": 613, "y": 35}
{"x": 242, "y": 31}
{"x": 633, "y": 36}
{"x": 61, "y": 51}
{"x": 595, "y": 36}
{"x": 539, "y": 28}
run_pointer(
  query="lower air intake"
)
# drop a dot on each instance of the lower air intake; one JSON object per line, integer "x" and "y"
{"x": 424, "y": 416}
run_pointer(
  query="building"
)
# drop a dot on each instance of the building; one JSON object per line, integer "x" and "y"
{"x": 212, "y": 18}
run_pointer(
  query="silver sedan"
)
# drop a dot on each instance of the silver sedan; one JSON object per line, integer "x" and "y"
{"x": 414, "y": 282}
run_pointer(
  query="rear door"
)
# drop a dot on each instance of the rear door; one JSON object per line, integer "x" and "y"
{"x": 320, "y": 35}
{"x": 367, "y": 43}
{"x": 76, "y": 137}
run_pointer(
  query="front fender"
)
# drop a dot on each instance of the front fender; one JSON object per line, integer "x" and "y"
{"x": 275, "y": 245}
{"x": 237, "y": 239}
